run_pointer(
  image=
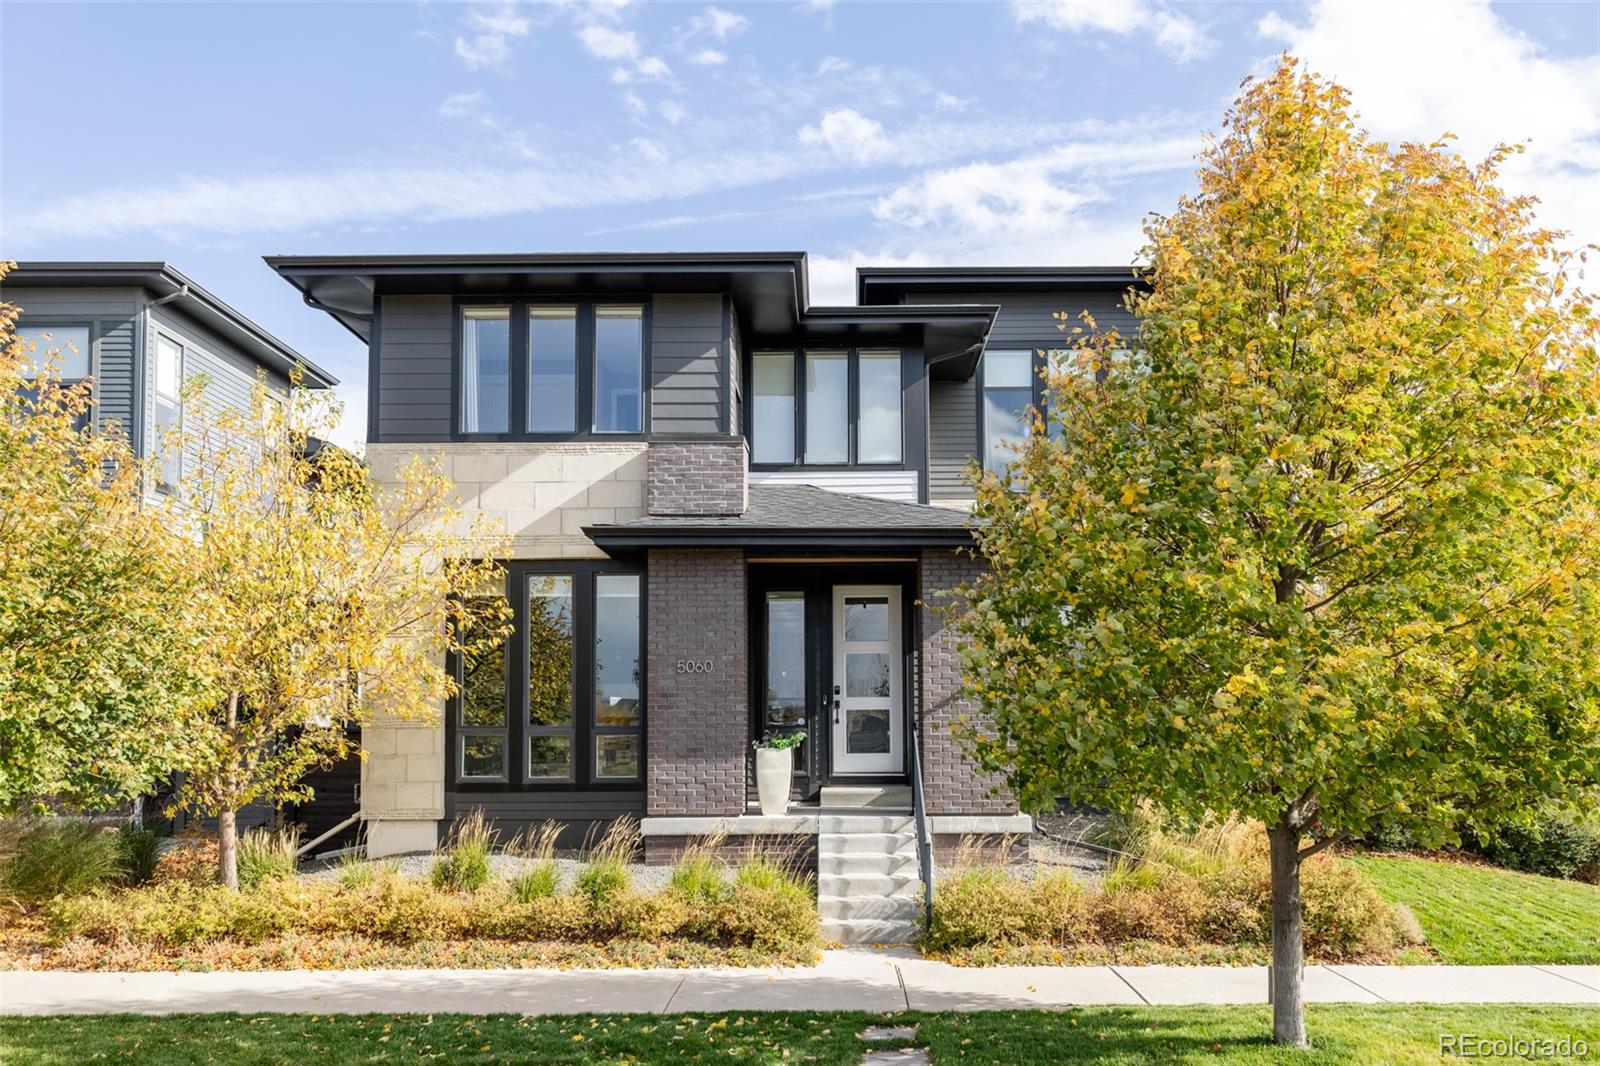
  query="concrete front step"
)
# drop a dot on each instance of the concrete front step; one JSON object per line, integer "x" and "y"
{"x": 864, "y": 862}
{"x": 858, "y": 843}
{"x": 877, "y": 886}
{"x": 865, "y": 823}
{"x": 890, "y": 908}
{"x": 870, "y": 931}
{"x": 895, "y": 797}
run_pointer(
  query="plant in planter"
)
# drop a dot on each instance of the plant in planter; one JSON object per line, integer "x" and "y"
{"x": 774, "y": 768}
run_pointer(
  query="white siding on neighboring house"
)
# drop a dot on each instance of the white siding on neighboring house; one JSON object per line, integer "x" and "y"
{"x": 898, "y": 485}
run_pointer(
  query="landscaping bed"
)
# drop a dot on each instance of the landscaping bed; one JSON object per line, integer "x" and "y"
{"x": 1111, "y": 1036}
{"x": 539, "y": 911}
{"x": 1191, "y": 898}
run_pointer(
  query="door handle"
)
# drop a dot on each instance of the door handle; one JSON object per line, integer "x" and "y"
{"x": 836, "y": 705}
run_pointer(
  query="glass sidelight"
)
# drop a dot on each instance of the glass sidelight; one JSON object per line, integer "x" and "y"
{"x": 786, "y": 661}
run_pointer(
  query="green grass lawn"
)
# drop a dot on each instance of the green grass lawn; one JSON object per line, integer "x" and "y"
{"x": 1114, "y": 1036}
{"x": 1477, "y": 915}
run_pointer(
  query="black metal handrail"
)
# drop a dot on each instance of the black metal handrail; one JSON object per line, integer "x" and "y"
{"x": 919, "y": 811}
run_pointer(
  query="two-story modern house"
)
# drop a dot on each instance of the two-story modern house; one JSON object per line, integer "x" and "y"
{"x": 732, "y": 513}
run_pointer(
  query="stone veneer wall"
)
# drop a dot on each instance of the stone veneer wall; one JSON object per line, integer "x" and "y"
{"x": 541, "y": 495}
{"x": 699, "y": 477}
{"x": 951, "y": 781}
{"x": 697, "y": 724}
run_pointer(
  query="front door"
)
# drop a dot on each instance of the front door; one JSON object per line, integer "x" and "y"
{"x": 868, "y": 708}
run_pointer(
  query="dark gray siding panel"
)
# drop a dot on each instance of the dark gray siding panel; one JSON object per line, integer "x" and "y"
{"x": 1026, "y": 320}
{"x": 514, "y": 812}
{"x": 113, "y": 315}
{"x": 952, "y": 437}
{"x": 687, "y": 364}
{"x": 117, "y": 381}
{"x": 412, "y": 389}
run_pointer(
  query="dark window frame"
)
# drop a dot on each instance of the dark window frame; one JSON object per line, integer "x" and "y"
{"x": 584, "y": 394}
{"x": 92, "y": 325}
{"x": 516, "y": 728}
{"x": 852, "y": 415}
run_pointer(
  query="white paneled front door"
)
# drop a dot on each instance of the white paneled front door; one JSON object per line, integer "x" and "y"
{"x": 868, "y": 705}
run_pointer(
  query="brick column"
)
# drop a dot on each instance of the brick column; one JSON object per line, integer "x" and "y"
{"x": 952, "y": 782}
{"x": 698, "y": 722}
{"x": 698, "y": 477}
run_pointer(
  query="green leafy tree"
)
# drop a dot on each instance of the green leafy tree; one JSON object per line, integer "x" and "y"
{"x": 326, "y": 601}
{"x": 95, "y": 685}
{"x": 1317, "y": 548}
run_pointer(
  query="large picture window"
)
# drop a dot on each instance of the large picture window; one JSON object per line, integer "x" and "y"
{"x": 533, "y": 371}
{"x": 1008, "y": 382}
{"x": 828, "y": 408}
{"x": 525, "y": 717}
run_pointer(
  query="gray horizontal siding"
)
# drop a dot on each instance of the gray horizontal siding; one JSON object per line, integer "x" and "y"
{"x": 688, "y": 366}
{"x": 412, "y": 389}
{"x": 113, "y": 317}
{"x": 583, "y": 812}
{"x": 952, "y": 437}
{"x": 230, "y": 376}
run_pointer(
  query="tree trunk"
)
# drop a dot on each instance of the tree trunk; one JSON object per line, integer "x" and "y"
{"x": 228, "y": 849}
{"x": 1288, "y": 943}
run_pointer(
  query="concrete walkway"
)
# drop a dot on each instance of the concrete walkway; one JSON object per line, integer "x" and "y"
{"x": 883, "y": 980}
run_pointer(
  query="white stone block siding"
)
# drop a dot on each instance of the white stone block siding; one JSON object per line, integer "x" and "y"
{"x": 540, "y": 495}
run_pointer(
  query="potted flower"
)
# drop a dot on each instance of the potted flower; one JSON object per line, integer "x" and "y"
{"x": 774, "y": 768}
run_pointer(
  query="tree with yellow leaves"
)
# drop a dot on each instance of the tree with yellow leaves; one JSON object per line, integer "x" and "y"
{"x": 326, "y": 600}
{"x": 1320, "y": 548}
{"x": 95, "y": 685}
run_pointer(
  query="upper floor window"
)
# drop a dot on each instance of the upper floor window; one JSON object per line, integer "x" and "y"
{"x": 827, "y": 407}
{"x": 168, "y": 405}
{"x": 486, "y": 369}
{"x": 67, "y": 345}
{"x": 1008, "y": 391}
{"x": 528, "y": 369}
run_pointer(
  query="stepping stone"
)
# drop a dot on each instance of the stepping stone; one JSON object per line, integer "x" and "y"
{"x": 911, "y": 1056}
{"x": 889, "y": 1032}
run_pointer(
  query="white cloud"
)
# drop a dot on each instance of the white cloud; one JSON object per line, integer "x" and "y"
{"x": 635, "y": 104}
{"x": 708, "y": 57}
{"x": 1174, "y": 33}
{"x": 489, "y": 43}
{"x": 606, "y": 43}
{"x": 1457, "y": 67}
{"x": 715, "y": 22}
{"x": 673, "y": 112}
{"x": 648, "y": 149}
{"x": 464, "y": 105}
{"x": 950, "y": 102}
{"x": 849, "y": 135}
{"x": 603, "y": 42}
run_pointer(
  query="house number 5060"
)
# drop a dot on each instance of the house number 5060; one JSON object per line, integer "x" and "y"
{"x": 694, "y": 666}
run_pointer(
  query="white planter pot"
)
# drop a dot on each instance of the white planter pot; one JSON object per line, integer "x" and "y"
{"x": 774, "y": 770}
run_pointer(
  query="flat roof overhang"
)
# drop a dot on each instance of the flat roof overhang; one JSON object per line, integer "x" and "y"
{"x": 164, "y": 280}
{"x": 769, "y": 291}
{"x": 887, "y": 286}
{"x": 622, "y": 540}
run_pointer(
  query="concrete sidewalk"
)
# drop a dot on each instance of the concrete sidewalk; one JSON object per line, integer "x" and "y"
{"x": 885, "y": 980}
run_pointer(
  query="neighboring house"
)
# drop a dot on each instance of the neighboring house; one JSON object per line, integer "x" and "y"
{"x": 731, "y": 513}
{"x": 141, "y": 330}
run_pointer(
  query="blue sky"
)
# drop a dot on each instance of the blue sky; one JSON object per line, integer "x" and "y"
{"x": 211, "y": 134}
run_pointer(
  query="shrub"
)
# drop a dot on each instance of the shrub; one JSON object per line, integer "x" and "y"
{"x": 541, "y": 880}
{"x": 356, "y": 872}
{"x": 1559, "y": 844}
{"x": 699, "y": 878}
{"x": 464, "y": 864}
{"x": 980, "y": 905}
{"x": 50, "y": 857}
{"x": 267, "y": 855}
{"x": 140, "y": 848}
{"x": 606, "y": 871}
{"x": 1343, "y": 914}
{"x": 1058, "y": 909}
{"x": 643, "y": 917}
{"x": 782, "y": 916}
{"x": 191, "y": 860}
{"x": 1167, "y": 911}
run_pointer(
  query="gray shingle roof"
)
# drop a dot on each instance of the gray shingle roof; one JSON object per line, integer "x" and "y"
{"x": 803, "y": 512}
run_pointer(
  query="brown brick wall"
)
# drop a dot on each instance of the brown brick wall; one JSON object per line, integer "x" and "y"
{"x": 698, "y": 478}
{"x": 698, "y": 722}
{"x": 951, "y": 781}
